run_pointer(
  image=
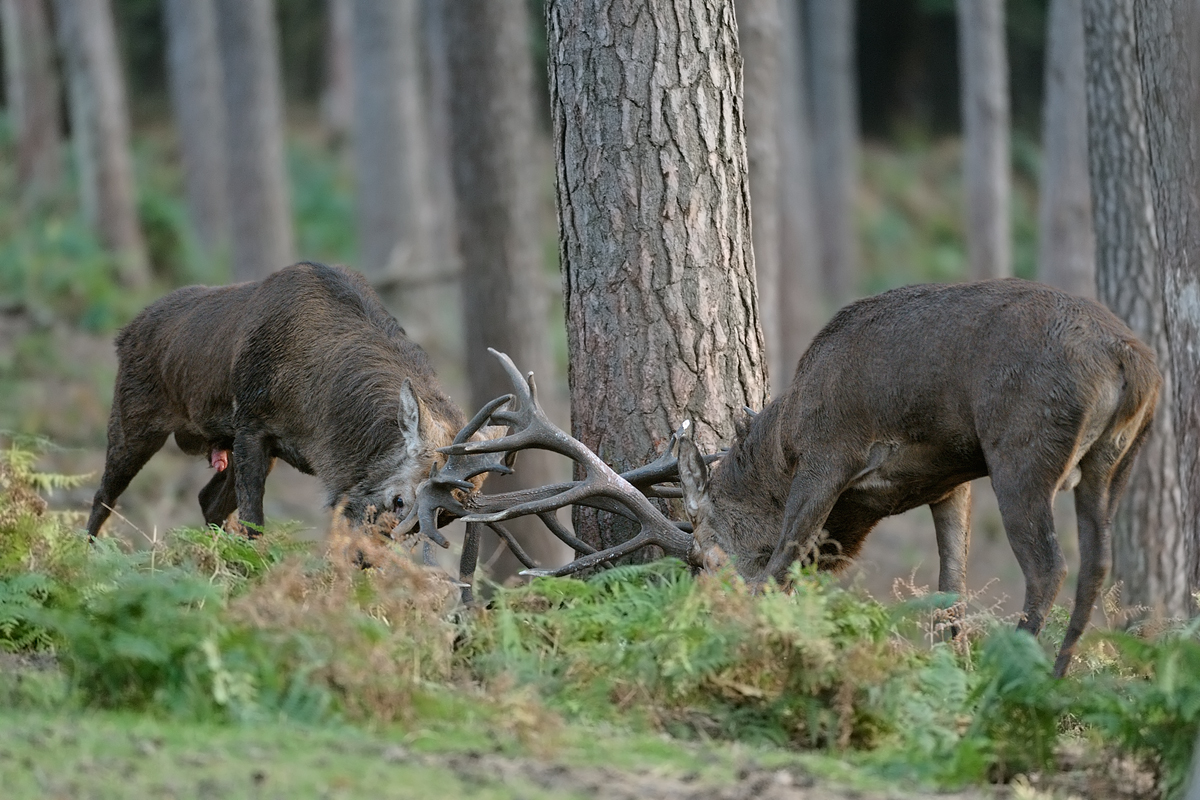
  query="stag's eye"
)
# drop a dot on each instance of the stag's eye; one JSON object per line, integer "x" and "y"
{"x": 398, "y": 504}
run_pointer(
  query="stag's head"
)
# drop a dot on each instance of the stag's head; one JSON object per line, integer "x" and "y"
{"x": 732, "y": 518}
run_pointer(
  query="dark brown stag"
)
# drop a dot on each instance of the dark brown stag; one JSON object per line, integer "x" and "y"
{"x": 306, "y": 365}
{"x": 900, "y": 401}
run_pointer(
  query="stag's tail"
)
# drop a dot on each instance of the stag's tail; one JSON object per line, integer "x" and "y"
{"x": 1143, "y": 382}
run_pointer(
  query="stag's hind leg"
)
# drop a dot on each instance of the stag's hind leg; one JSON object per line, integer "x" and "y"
{"x": 126, "y": 455}
{"x": 1104, "y": 472}
{"x": 1025, "y": 495}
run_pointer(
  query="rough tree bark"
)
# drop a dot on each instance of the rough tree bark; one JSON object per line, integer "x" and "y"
{"x": 32, "y": 91}
{"x": 1148, "y": 546}
{"x": 984, "y": 68}
{"x": 195, "y": 81}
{"x": 654, "y": 227}
{"x": 829, "y": 25}
{"x": 100, "y": 130}
{"x": 800, "y": 308}
{"x": 388, "y": 145}
{"x": 759, "y": 26}
{"x": 501, "y": 229}
{"x": 260, "y": 215}
{"x": 1167, "y": 32}
{"x": 337, "y": 98}
{"x": 1066, "y": 247}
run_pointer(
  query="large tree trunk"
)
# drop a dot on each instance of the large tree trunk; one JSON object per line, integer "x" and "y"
{"x": 759, "y": 40}
{"x": 654, "y": 227}
{"x": 443, "y": 232}
{"x": 1149, "y": 551}
{"x": 1066, "y": 249}
{"x": 501, "y": 229}
{"x": 195, "y": 74}
{"x": 801, "y": 312}
{"x": 829, "y": 27}
{"x": 1167, "y": 31}
{"x": 259, "y": 209}
{"x": 986, "y": 181}
{"x": 32, "y": 91}
{"x": 337, "y": 98}
{"x": 100, "y": 129}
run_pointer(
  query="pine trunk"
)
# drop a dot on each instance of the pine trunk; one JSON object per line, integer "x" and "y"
{"x": 801, "y": 312}
{"x": 100, "y": 130}
{"x": 759, "y": 40}
{"x": 654, "y": 227}
{"x": 986, "y": 180}
{"x": 195, "y": 81}
{"x": 337, "y": 98}
{"x": 1148, "y": 547}
{"x": 501, "y": 227}
{"x": 1167, "y": 31}
{"x": 1066, "y": 248}
{"x": 32, "y": 91}
{"x": 829, "y": 25}
{"x": 259, "y": 211}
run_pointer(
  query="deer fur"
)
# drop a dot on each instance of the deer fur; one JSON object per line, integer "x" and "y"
{"x": 306, "y": 365}
{"x": 904, "y": 398}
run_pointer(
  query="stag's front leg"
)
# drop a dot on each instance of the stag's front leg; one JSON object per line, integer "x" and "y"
{"x": 811, "y": 498}
{"x": 253, "y": 464}
{"x": 952, "y": 524}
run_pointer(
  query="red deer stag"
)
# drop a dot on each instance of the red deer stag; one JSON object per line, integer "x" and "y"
{"x": 900, "y": 401}
{"x": 306, "y": 365}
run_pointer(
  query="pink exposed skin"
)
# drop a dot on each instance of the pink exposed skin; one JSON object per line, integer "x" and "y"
{"x": 219, "y": 459}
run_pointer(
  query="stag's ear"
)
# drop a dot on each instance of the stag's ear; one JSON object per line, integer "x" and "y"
{"x": 410, "y": 416}
{"x": 693, "y": 476}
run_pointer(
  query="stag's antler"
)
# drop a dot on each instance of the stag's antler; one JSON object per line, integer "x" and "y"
{"x": 529, "y": 427}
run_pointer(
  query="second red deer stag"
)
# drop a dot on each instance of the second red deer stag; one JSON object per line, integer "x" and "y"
{"x": 900, "y": 401}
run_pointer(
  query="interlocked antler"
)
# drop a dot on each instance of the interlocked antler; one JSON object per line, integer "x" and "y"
{"x": 602, "y": 488}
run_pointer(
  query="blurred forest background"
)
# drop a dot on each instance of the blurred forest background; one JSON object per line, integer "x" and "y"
{"x": 148, "y": 144}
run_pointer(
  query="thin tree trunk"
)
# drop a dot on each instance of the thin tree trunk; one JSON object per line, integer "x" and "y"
{"x": 1148, "y": 546}
{"x": 759, "y": 40}
{"x": 800, "y": 308}
{"x": 501, "y": 229}
{"x": 259, "y": 209}
{"x": 1167, "y": 31}
{"x": 829, "y": 27}
{"x": 1066, "y": 248}
{"x": 444, "y": 258}
{"x": 32, "y": 89}
{"x": 100, "y": 129}
{"x": 195, "y": 81}
{"x": 986, "y": 179}
{"x": 388, "y": 146}
{"x": 337, "y": 98}
{"x": 654, "y": 227}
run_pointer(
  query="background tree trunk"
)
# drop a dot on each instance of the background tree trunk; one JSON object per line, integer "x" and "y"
{"x": 32, "y": 91}
{"x": 759, "y": 23}
{"x": 501, "y": 228}
{"x": 337, "y": 98}
{"x": 444, "y": 258}
{"x": 829, "y": 25}
{"x": 100, "y": 129}
{"x": 390, "y": 156}
{"x": 1167, "y": 32}
{"x": 1066, "y": 246}
{"x": 654, "y": 227}
{"x": 1148, "y": 546}
{"x": 259, "y": 210}
{"x": 801, "y": 312}
{"x": 195, "y": 82}
{"x": 986, "y": 179}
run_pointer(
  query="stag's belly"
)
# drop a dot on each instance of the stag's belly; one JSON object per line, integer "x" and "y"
{"x": 902, "y": 476}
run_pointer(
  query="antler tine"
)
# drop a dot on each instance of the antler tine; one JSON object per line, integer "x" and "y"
{"x": 480, "y": 418}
